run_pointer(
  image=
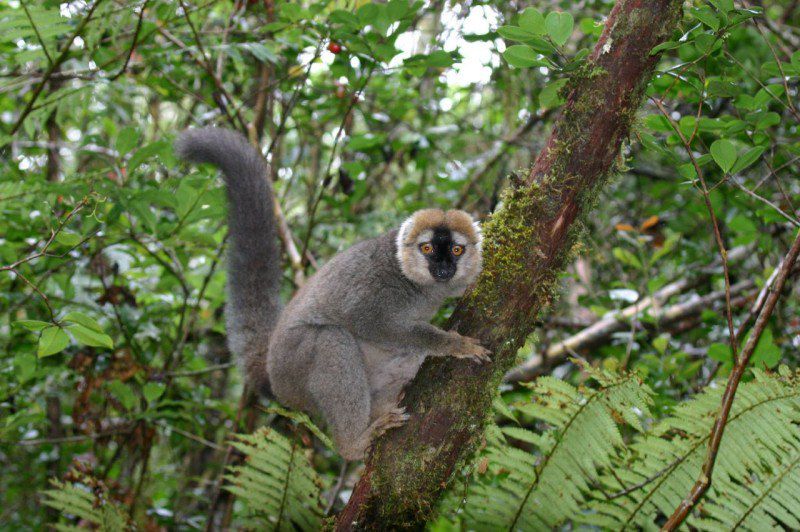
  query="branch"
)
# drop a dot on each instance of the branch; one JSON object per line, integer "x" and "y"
{"x": 616, "y": 321}
{"x": 527, "y": 245}
{"x": 53, "y": 234}
{"x": 62, "y": 56}
{"x": 704, "y": 481}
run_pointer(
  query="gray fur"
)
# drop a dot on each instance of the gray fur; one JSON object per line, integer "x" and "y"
{"x": 353, "y": 336}
{"x": 254, "y": 270}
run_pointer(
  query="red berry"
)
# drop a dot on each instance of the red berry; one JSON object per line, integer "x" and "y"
{"x": 334, "y": 47}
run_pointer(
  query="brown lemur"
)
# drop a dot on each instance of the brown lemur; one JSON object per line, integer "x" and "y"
{"x": 358, "y": 330}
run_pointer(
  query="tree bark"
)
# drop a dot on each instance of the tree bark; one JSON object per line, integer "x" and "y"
{"x": 528, "y": 242}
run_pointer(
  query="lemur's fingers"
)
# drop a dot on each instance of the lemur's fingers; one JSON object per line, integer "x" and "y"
{"x": 395, "y": 417}
{"x": 474, "y": 351}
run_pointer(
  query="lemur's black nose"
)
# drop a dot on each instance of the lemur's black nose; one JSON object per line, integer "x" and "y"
{"x": 443, "y": 271}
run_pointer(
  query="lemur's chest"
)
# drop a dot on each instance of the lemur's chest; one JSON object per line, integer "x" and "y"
{"x": 388, "y": 371}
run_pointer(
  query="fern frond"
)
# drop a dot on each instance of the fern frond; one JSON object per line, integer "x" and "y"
{"x": 277, "y": 484}
{"x": 768, "y": 503}
{"x": 759, "y": 442}
{"x": 527, "y": 491}
{"x": 78, "y": 500}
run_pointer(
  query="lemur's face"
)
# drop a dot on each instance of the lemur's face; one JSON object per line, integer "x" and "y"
{"x": 438, "y": 247}
{"x": 441, "y": 249}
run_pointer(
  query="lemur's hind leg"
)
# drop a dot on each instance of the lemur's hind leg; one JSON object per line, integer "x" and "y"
{"x": 341, "y": 392}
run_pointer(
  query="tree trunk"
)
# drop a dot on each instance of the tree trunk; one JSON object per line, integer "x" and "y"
{"x": 527, "y": 244}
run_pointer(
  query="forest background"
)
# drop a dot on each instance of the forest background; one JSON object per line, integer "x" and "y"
{"x": 660, "y": 335}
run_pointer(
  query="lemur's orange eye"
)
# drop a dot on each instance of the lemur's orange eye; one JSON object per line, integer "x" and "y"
{"x": 426, "y": 248}
{"x": 457, "y": 250}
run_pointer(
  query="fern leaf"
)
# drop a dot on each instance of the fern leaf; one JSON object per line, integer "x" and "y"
{"x": 769, "y": 503}
{"x": 525, "y": 491}
{"x": 76, "y": 499}
{"x": 278, "y": 486}
{"x": 759, "y": 442}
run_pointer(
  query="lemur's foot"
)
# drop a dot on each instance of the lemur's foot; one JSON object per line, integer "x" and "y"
{"x": 396, "y": 417}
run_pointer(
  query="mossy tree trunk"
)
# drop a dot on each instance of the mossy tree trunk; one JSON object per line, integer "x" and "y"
{"x": 527, "y": 244}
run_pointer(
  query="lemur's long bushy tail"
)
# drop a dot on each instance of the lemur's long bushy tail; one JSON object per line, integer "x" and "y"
{"x": 254, "y": 270}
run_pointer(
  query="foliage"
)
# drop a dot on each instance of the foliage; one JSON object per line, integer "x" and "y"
{"x": 277, "y": 483}
{"x": 577, "y": 468}
{"x": 525, "y": 490}
{"x": 83, "y": 500}
{"x": 111, "y": 253}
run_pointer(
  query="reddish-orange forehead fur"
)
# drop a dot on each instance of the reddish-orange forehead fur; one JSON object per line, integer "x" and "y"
{"x": 453, "y": 219}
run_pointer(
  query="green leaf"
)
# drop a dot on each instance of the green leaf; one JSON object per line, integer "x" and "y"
{"x": 522, "y": 56}
{"x": 152, "y": 391}
{"x": 368, "y": 13}
{"x": 661, "y": 343}
{"x": 768, "y": 120}
{"x": 291, "y": 11}
{"x": 397, "y": 9}
{"x": 766, "y": 352}
{"x": 668, "y": 45}
{"x": 559, "y": 26}
{"x": 303, "y": 419}
{"x": 438, "y": 59}
{"x": 366, "y": 142}
{"x": 127, "y": 139}
{"x": 722, "y": 88}
{"x": 83, "y": 319}
{"x": 123, "y": 393}
{"x": 90, "y": 337}
{"x": 531, "y": 20}
{"x": 707, "y": 17}
{"x": 551, "y": 95}
{"x": 502, "y": 408}
{"x": 68, "y": 239}
{"x": 626, "y": 257}
{"x": 723, "y": 5}
{"x": 514, "y": 33}
{"x": 32, "y": 325}
{"x": 52, "y": 340}
{"x": 340, "y": 16}
{"x": 724, "y": 153}
{"x": 261, "y": 51}
{"x": 749, "y": 157}
{"x": 721, "y": 353}
{"x": 155, "y": 149}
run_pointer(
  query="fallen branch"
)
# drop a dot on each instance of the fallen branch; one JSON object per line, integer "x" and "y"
{"x": 613, "y": 322}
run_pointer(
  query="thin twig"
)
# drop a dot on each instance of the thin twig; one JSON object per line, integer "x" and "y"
{"x": 312, "y": 212}
{"x": 704, "y": 481}
{"x": 72, "y": 439}
{"x": 338, "y": 487}
{"x": 36, "y": 31}
{"x": 52, "y": 68}
{"x": 53, "y": 235}
{"x": 191, "y": 436}
{"x": 612, "y": 322}
{"x": 723, "y": 253}
{"x": 762, "y": 199}
{"x": 194, "y": 373}
{"x": 133, "y": 43}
